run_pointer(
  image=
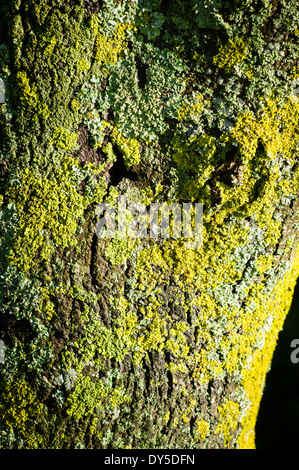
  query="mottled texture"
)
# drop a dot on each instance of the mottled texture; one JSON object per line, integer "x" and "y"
{"x": 143, "y": 343}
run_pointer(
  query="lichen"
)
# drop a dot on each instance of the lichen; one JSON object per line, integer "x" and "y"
{"x": 170, "y": 344}
{"x": 88, "y": 395}
{"x": 202, "y": 429}
{"x": 128, "y": 147}
{"x": 107, "y": 50}
{"x": 19, "y": 407}
{"x": 232, "y": 53}
{"x": 229, "y": 414}
{"x": 38, "y": 228}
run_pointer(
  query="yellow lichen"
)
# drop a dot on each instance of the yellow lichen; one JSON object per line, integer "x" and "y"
{"x": 202, "y": 429}
{"x": 229, "y": 414}
{"x": 191, "y": 111}
{"x": 64, "y": 139}
{"x": 232, "y": 53}
{"x": 29, "y": 97}
{"x": 107, "y": 49}
{"x": 52, "y": 212}
{"x": 19, "y": 408}
{"x": 88, "y": 395}
{"x": 254, "y": 375}
{"x": 246, "y": 343}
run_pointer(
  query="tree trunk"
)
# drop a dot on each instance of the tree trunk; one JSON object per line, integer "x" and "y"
{"x": 147, "y": 342}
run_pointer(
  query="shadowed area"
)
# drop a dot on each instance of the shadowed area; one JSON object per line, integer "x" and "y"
{"x": 277, "y": 423}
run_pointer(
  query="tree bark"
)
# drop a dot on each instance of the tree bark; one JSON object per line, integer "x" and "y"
{"x": 126, "y": 342}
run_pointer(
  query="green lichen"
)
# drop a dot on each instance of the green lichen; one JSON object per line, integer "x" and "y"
{"x": 88, "y": 395}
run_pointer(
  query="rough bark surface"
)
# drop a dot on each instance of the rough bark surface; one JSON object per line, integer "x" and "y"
{"x": 143, "y": 343}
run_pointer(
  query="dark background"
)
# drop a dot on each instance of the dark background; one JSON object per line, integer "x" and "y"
{"x": 278, "y": 420}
